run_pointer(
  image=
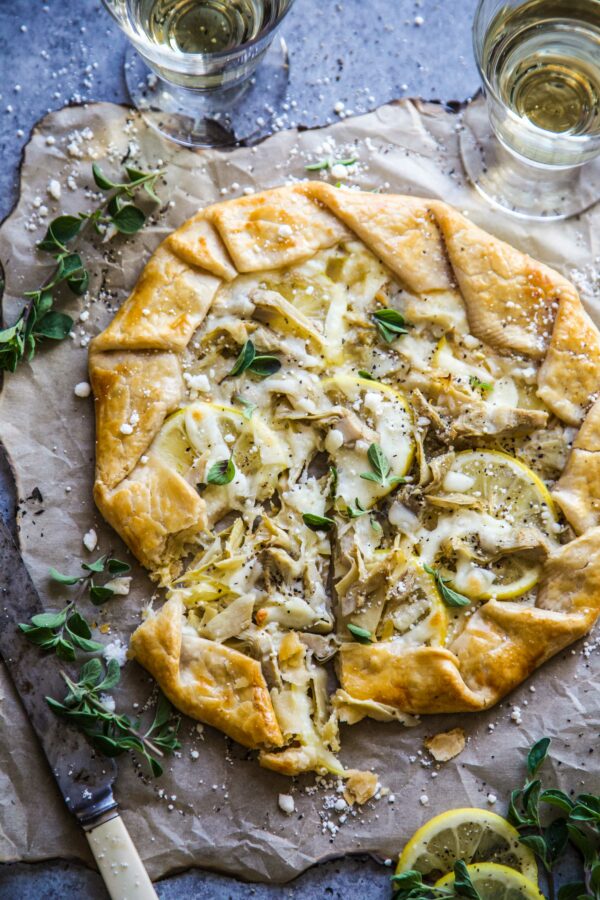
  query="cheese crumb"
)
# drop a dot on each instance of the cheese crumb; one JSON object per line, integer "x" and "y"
{"x": 54, "y": 189}
{"x": 126, "y": 428}
{"x": 424, "y": 800}
{"x": 82, "y": 389}
{"x": 120, "y": 585}
{"x": 116, "y": 650}
{"x": 90, "y": 540}
{"x": 286, "y": 804}
{"x": 285, "y": 231}
{"x": 491, "y": 799}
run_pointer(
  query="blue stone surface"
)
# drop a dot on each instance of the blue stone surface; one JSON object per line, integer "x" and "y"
{"x": 360, "y": 52}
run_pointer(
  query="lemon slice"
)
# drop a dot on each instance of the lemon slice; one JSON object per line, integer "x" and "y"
{"x": 201, "y": 434}
{"x": 496, "y": 882}
{"x": 511, "y": 498}
{"x": 379, "y": 415}
{"x": 471, "y": 834}
{"x": 507, "y": 488}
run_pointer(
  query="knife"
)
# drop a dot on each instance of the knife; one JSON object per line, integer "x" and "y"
{"x": 85, "y": 780}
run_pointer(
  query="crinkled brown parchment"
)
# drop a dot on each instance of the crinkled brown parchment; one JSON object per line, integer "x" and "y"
{"x": 220, "y": 810}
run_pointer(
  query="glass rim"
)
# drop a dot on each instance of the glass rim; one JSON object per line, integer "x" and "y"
{"x": 186, "y": 62}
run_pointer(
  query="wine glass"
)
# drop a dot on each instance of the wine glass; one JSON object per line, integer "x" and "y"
{"x": 531, "y": 148}
{"x": 205, "y": 72}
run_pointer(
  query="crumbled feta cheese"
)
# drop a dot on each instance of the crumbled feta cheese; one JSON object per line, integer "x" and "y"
{"x": 90, "y": 540}
{"x": 340, "y": 171}
{"x": 54, "y": 189}
{"x": 333, "y": 440}
{"x": 144, "y": 459}
{"x": 424, "y": 800}
{"x": 82, "y": 389}
{"x": 491, "y": 799}
{"x": 285, "y": 231}
{"x": 286, "y": 804}
{"x": 84, "y": 315}
{"x": 116, "y": 650}
{"x": 120, "y": 585}
{"x": 194, "y": 754}
{"x": 126, "y": 428}
{"x": 196, "y": 382}
{"x": 108, "y": 701}
{"x": 516, "y": 715}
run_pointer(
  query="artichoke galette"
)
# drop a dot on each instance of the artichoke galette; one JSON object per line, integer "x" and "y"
{"x": 355, "y": 439}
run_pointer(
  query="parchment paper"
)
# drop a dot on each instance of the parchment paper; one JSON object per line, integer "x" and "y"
{"x": 220, "y": 810}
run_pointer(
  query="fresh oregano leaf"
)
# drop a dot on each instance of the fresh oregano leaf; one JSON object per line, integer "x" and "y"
{"x": 55, "y": 575}
{"x": 129, "y": 219}
{"x": 104, "y": 183}
{"x": 221, "y": 472}
{"x": 100, "y": 595}
{"x": 390, "y": 324}
{"x": 65, "y": 650}
{"x": 557, "y": 798}
{"x": 97, "y": 566}
{"x": 362, "y": 373}
{"x": 448, "y": 595}
{"x": 463, "y": 886}
{"x": 78, "y": 625}
{"x": 50, "y": 620}
{"x": 317, "y": 523}
{"x": 362, "y": 635}
{"x": 247, "y": 407}
{"x": 54, "y": 325}
{"x": 555, "y": 837}
{"x": 586, "y": 808}
{"x": 60, "y": 231}
{"x": 537, "y": 755}
{"x": 117, "y": 566}
{"x": 244, "y": 359}
{"x": 264, "y": 365}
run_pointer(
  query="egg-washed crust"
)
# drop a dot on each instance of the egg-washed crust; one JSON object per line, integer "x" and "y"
{"x": 513, "y": 303}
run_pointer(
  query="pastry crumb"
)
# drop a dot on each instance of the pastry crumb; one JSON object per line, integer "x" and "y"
{"x": 446, "y": 745}
{"x": 360, "y": 786}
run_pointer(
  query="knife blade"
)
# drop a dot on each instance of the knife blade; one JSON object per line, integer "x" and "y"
{"x": 84, "y": 779}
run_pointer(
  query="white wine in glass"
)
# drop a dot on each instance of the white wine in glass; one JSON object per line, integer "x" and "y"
{"x": 191, "y": 62}
{"x": 540, "y": 65}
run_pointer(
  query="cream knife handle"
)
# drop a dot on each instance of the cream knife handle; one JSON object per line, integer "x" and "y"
{"x": 120, "y": 865}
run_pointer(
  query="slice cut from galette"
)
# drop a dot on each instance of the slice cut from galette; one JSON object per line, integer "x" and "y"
{"x": 355, "y": 439}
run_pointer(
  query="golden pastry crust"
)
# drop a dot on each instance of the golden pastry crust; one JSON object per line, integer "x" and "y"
{"x": 129, "y": 387}
{"x": 207, "y": 680}
{"x": 512, "y": 303}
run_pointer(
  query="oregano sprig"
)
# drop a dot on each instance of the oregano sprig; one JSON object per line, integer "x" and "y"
{"x": 578, "y": 824}
{"x": 390, "y": 324}
{"x": 65, "y": 632}
{"x": 329, "y": 162}
{"x": 410, "y": 886}
{"x": 381, "y": 468}
{"x": 248, "y": 360}
{"x": 110, "y": 732}
{"x": 38, "y": 320}
{"x": 99, "y": 594}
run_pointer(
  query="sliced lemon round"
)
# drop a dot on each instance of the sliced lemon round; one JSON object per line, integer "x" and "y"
{"x": 203, "y": 433}
{"x": 377, "y": 415}
{"x": 471, "y": 834}
{"x": 509, "y": 498}
{"x": 496, "y": 882}
{"x": 507, "y": 488}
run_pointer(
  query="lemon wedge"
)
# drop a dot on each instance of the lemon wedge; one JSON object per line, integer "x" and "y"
{"x": 496, "y": 882}
{"x": 471, "y": 834}
{"x": 378, "y": 415}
